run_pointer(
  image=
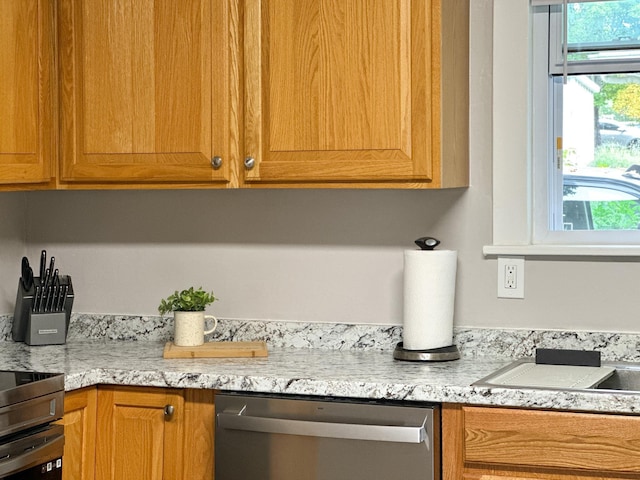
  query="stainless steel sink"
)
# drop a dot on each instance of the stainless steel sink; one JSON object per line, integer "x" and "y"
{"x": 624, "y": 379}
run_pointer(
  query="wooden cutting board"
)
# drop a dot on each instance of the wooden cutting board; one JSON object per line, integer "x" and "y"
{"x": 217, "y": 350}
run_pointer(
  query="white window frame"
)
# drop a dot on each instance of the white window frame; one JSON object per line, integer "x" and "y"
{"x": 515, "y": 189}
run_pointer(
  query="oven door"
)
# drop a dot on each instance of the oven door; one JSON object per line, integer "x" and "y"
{"x": 35, "y": 454}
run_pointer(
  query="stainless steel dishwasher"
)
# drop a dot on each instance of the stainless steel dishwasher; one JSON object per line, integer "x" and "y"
{"x": 266, "y": 437}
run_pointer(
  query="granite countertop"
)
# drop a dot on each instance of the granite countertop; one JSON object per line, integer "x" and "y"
{"x": 370, "y": 374}
{"x": 330, "y": 359}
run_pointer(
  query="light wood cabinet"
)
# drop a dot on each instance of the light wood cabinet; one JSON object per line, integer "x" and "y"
{"x": 145, "y": 91}
{"x": 117, "y": 433}
{"x": 199, "y": 419}
{"x": 80, "y": 415}
{"x": 27, "y": 83}
{"x": 234, "y": 93}
{"x": 137, "y": 437}
{"x": 487, "y": 443}
{"x": 356, "y": 93}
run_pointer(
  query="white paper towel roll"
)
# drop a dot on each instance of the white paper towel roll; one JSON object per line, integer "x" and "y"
{"x": 429, "y": 294}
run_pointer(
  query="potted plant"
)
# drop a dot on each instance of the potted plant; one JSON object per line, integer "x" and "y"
{"x": 188, "y": 314}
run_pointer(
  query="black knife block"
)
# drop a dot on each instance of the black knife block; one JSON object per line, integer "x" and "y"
{"x": 36, "y": 328}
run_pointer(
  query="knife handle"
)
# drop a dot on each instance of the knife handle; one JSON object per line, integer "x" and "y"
{"x": 52, "y": 263}
{"x": 39, "y": 299}
{"x": 64, "y": 290}
{"x": 51, "y": 307}
{"x": 43, "y": 263}
{"x": 54, "y": 277}
{"x": 34, "y": 303}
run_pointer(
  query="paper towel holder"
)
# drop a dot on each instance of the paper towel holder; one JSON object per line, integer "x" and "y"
{"x": 442, "y": 354}
{"x": 427, "y": 243}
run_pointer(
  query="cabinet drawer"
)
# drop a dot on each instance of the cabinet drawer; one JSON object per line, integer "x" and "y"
{"x": 578, "y": 441}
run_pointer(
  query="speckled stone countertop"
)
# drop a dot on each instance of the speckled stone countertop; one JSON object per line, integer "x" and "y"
{"x": 348, "y": 361}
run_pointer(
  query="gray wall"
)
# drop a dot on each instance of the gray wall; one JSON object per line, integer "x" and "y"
{"x": 12, "y": 246}
{"x": 314, "y": 255}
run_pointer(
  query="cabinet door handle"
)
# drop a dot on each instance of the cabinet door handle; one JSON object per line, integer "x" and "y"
{"x": 249, "y": 163}
{"x": 168, "y": 412}
{"x": 216, "y": 162}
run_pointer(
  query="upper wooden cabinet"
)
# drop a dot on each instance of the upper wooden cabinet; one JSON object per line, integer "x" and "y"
{"x": 27, "y": 85}
{"x": 234, "y": 93}
{"x": 145, "y": 91}
{"x": 356, "y": 92}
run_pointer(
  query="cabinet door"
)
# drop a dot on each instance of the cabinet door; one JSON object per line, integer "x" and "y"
{"x": 79, "y": 422}
{"x": 492, "y": 443}
{"x": 27, "y": 134}
{"x": 145, "y": 91}
{"x": 348, "y": 91}
{"x": 136, "y": 437}
{"x": 199, "y": 421}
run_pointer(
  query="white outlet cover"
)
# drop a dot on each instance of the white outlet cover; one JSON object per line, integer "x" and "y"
{"x": 518, "y": 291}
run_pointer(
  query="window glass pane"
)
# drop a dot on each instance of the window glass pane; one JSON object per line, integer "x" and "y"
{"x": 600, "y": 152}
{"x": 603, "y": 30}
{"x": 599, "y": 208}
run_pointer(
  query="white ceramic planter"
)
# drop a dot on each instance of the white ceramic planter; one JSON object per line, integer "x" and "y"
{"x": 189, "y": 328}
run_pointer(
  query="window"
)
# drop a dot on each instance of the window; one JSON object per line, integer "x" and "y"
{"x": 524, "y": 142}
{"x": 586, "y": 98}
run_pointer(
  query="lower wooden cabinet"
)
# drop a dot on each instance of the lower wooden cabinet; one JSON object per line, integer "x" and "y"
{"x": 140, "y": 433}
{"x": 80, "y": 407}
{"x": 118, "y": 433}
{"x": 489, "y": 443}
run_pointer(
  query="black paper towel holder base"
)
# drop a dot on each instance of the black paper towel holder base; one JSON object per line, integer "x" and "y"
{"x": 442, "y": 354}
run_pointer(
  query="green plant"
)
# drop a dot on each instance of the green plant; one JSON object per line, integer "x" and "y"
{"x": 620, "y": 215}
{"x": 614, "y": 156}
{"x": 190, "y": 300}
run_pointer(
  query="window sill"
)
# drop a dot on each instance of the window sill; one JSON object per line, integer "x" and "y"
{"x": 562, "y": 250}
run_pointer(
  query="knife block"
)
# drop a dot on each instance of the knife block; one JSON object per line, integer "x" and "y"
{"x": 46, "y": 329}
{"x": 41, "y": 327}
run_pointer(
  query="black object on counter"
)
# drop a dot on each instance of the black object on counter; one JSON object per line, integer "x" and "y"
{"x": 580, "y": 358}
{"x": 43, "y": 304}
{"x": 442, "y": 354}
{"x": 27, "y": 274}
{"x": 427, "y": 243}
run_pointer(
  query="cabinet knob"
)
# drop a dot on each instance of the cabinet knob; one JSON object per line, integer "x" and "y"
{"x": 168, "y": 412}
{"x": 216, "y": 162}
{"x": 249, "y": 163}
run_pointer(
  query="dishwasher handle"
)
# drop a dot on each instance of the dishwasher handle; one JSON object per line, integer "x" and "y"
{"x": 349, "y": 431}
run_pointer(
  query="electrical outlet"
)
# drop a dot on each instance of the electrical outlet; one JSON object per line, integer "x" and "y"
{"x": 510, "y": 277}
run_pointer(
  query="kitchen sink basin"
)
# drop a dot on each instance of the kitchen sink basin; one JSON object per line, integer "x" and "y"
{"x": 525, "y": 373}
{"x": 626, "y": 377}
